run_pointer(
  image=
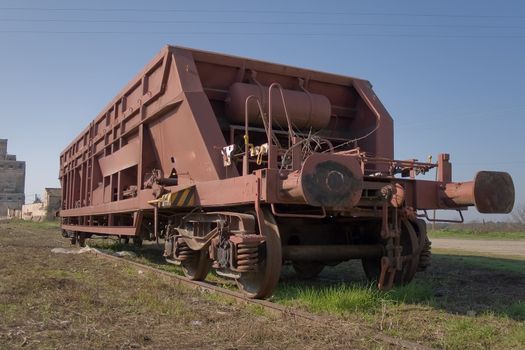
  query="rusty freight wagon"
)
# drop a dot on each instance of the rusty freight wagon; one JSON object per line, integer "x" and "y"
{"x": 241, "y": 166}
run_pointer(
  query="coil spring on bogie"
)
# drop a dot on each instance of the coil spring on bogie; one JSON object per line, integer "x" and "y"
{"x": 247, "y": 256}
{"x": 183, "y": 252}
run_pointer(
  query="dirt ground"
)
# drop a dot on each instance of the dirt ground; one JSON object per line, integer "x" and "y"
{"x": 65, "y": 301}
{"x": 494, "y": 247}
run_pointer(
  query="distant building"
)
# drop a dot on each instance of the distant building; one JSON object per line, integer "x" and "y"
{"x": 12, "y": 180}
{"x": 43, "y": 208}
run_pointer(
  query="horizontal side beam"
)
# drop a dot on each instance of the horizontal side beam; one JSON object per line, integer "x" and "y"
{"x": 105, "y": 230}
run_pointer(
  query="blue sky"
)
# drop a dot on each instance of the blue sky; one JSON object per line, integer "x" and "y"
{"x": 451, "y": 73}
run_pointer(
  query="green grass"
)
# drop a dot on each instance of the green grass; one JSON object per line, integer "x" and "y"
{"x": 338, "y": 299}
{"x": 259, "y": 310}
{"x": 518, "y": 335}
{"x": 48, "y": 224}
{"x": 517, "y": 311}
{"x": 413, "y": 293}
{"x": 472, "y": 234}
{"x": 462, "y": 331}
{"x": 484, "y": 262}
{"x": 344, "y": 299}
{"x": 409, "y": 312}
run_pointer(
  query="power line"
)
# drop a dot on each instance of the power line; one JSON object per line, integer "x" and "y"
{"x": 216, "y": 33}
{"x": 311, "y": 12}
{"x": 23, "y": 20}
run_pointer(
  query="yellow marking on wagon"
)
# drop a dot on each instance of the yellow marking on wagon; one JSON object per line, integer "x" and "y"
{"x": 182, "y": 198}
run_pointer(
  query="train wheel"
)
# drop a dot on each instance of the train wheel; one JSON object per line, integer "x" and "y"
{"x": 137, "y": 241}
{"x": 197, "y": 267}
{"x": 426, "y": 255}
{"x": 261, "y": 283}
{"x": 123, "y": 240}
{"x": 412, "y": 238}
{"x": 81, "y": 239}
{"x": 307, "y": 269}
{"x": 412, "y": 252}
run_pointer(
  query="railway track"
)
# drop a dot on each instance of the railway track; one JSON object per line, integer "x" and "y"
{"x": 239, "y": 298}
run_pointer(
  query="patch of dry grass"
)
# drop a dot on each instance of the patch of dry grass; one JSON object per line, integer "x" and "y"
{"x": 80, "y": 301}
{"x": 460, "y": 302}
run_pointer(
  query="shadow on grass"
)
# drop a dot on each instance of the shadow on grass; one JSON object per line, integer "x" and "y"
{"x": 344, "y": 289}
{"x": 467, "y": 285}
{"x": 477, "y": 284}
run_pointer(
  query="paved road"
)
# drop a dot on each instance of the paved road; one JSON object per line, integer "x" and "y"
{"x": 514, "y": 248}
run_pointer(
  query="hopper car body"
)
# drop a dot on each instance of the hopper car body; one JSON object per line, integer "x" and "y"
{"x": 241, "y": 165}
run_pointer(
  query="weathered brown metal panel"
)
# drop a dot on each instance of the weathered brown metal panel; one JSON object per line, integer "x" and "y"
{"x": 181, "y": 122}
{"x": 124, "y": 158}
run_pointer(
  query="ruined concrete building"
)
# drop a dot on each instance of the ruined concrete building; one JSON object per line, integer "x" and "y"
{"x": 45, "y": 207}
{"x": 12, "y": 180}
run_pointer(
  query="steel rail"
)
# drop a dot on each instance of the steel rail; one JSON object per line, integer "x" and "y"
{"x": 273, "y": 308}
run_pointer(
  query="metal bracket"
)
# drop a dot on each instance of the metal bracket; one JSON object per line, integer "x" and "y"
{"x": 287, "y": 215}
{"x": 227, "y": 155}
{"x": 425, "y": 215}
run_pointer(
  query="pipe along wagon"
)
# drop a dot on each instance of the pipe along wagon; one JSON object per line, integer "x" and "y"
{"x": 241, "y": 166}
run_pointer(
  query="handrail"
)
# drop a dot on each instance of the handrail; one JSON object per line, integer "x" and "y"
{"x": 291, "y": 136}
{"x": 290, "y": 130}
{"x": 268, "y": 128}
{"x": 245, "y": 162}
{"x": 425, "y": 215}
{"x": 246, "y": 128}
